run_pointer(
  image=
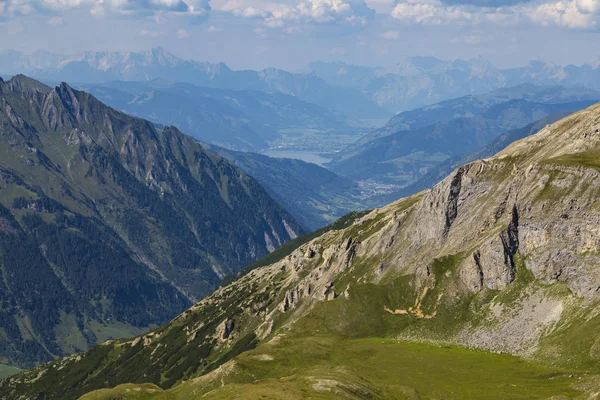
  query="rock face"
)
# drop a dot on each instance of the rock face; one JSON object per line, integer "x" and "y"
{"x": 502, "y": 255}
{"x": 109, "y": 225}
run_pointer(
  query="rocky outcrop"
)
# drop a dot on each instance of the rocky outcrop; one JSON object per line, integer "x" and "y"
{"x": 492, "y": 265}
{"x": 226, "y": 329}
{"x": 452, "y": 202}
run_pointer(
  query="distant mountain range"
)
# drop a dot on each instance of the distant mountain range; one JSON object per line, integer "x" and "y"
{"x": 420, "y": 81}
{"x": 100, "y": 67}
{"x": 109, "y": 224}
{"x": 241, "y": 120}
{"x": 440, "y": 171}
{"x": 413, "y": 143}
{"x": 357, "y": 91}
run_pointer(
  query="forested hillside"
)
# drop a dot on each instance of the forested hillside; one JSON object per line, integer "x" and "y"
{"x": 109, "y": 225}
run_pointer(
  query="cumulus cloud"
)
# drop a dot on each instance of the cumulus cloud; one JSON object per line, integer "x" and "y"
{"x": 183, "y": 34}
{"x": 572, "y": 14}
{"x": 578, "y": 14}
{"x": 339, "y": 16}
{"x": 250, "y": 12}
{"x": 302, "y": 15}
{"x": 192, "y": 8}
{"x": 486, "y": 3}
{"x": 430, "y": 12}
{"x": 348, "y": 13}
{"x": 588, "y": 6}
{"x": 101, "y": 8}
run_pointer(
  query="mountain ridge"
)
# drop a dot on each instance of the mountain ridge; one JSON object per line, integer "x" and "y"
{"x": 499, "y": 256}
{"x": 101, "y": 67}
{"x": 125, "y": 223}
{"x": 404, "y": 156}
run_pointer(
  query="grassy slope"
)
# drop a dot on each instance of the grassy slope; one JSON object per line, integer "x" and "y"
{"x": 326, "y": 367}
{"x": 586, "y": 159}
{"x": 346, "y": 349}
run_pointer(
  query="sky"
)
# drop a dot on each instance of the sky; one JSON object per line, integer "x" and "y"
{"x": 289, "y": 34}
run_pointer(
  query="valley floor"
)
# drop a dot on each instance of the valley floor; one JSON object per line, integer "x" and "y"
{"x": 325, "y": 367}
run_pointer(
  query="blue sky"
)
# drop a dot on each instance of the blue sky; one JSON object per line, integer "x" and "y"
{"x": 290, "y": 33}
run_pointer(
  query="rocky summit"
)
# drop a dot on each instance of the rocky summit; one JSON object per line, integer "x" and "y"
{"x": 485, "y": 286}
{"x": 110, "y": 226}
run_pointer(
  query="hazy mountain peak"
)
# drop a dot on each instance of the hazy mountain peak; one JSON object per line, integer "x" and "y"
{"x": 477, "y": 64}
{"x": 422, "y": 63}
{"x": 105, "y": 61}
{"x": 162, "y": 57}
{"x": 542, "y": 68}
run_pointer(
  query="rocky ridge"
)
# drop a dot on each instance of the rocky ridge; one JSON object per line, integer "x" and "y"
{"x": 502, "y": 255}
{"x": 110, "y": 225}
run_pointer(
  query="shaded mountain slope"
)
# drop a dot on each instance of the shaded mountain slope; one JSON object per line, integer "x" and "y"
{"x": 439, "y": 172}
{"x": 314, "y": 195}
{"x": 502, "y": 255}
{"x": 404, "y": 156}
{"x": 470, "y": 106}
{"x": 109, "y": 225}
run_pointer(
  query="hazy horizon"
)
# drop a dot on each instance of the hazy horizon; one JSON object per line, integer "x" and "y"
{"x": 288, "y": 34}
{"x": 303, "y": 68}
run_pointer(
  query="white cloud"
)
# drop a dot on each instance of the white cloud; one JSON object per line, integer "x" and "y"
{"x": 349, "y": 13}
{"x": 589, "y": 6}
{"x": 430, "y": 12}
{"x": 579, "y": 14}
{"x": 340, "y": 15}
{"x": 102, "y": 8}
{"x": 183, "y": 34}
{"x": 571, "y": 14}
{"x": 301, "y": 15}
{"x": 390, "y": 35}
{"x": 213, "y": 28}
{"x": 250, "y": 12}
